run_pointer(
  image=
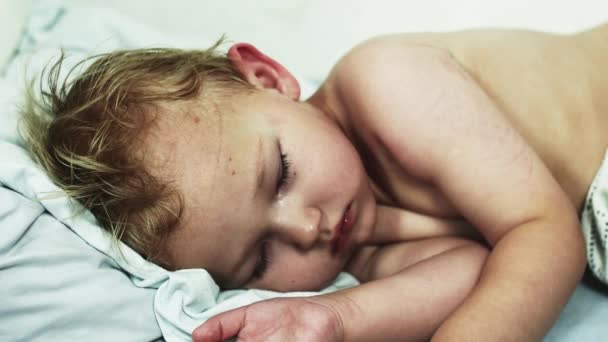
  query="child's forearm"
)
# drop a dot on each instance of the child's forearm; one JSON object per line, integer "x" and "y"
{"x": 397, "y": 224}
{"x": 527, "y": 280}
{"x": 410, "y": 305}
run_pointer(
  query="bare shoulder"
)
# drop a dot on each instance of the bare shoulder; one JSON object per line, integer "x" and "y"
{"x": 440, "y": 126}
{"x": 373, "y": 63}
{"x": 388, "y": 84}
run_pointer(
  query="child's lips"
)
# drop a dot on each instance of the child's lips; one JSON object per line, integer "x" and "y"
{"x": 343, "y": 229}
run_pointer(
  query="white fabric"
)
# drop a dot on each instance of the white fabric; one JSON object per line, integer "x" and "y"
{"x": 69, "y": 282}
{"x": 595, "y": 223}
{"x": 13, "y": 16}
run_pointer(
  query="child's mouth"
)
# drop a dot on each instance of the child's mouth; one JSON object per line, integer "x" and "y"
{"x": 343, "y": 229}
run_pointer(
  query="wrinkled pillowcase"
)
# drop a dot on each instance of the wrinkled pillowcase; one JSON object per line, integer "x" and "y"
{"x": 13, "y": 16}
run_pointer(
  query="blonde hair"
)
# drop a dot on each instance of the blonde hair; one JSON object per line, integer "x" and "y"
{"x": 84, "y": 133}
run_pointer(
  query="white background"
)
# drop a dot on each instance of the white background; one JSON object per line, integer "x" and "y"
{"x": 310, "y": 35}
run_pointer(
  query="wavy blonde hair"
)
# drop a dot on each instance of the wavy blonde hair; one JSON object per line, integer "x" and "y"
{"x": 84, "y": 132}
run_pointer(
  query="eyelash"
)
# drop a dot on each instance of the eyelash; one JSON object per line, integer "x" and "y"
{"x": 264, "y": 260}
{"x": 262, "y": 265}
{"x": 285, "y": 165}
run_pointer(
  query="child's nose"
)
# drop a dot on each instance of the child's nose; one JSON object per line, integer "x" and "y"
{"x": 301, "y": 227}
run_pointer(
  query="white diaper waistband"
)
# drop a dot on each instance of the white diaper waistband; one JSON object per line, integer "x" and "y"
{"x": 594, "y": 220}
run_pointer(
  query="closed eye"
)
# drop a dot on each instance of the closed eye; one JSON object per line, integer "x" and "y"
{"x": 284, "y": 171}
{"x": 282, "y": 180}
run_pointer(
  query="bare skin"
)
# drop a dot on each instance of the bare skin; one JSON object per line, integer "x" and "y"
{"x": 510, "y": 145}
{"x": 525, "y": 74}
{"x": 551, "y": 90}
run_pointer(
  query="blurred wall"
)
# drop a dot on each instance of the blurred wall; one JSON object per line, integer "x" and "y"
{"x": 310, "y": 35}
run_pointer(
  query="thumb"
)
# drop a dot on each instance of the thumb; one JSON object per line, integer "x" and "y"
{"x": 220, "y": 327}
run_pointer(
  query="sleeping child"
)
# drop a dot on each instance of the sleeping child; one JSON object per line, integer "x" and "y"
{"x": 444, "y": 171}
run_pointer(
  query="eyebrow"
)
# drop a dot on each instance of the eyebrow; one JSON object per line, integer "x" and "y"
{"x": 260, "y": 167}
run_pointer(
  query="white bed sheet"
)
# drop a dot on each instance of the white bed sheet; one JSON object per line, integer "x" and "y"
{"x": 13, "y": 16}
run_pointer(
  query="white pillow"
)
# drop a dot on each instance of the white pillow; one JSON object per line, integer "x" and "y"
{"x": 13, "y": 16}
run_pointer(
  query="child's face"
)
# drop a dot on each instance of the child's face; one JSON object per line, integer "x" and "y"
{"x": 265, "y": 190}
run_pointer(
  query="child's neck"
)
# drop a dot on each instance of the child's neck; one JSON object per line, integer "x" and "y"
{"x": 327, "y": 101}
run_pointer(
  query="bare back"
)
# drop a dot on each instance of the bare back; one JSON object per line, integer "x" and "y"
{"x": 552, "y": 88}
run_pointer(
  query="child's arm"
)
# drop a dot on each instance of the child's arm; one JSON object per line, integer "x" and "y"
{"x": 407, "y": 305}
{"x": 400, "y": 225}
{"x": 441, "y": 127}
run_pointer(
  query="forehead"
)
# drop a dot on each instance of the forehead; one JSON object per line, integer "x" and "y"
{"x": 203, "y": 152}
{"x": 212, "y": 158}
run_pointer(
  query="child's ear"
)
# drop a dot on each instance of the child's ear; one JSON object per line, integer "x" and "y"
{"x": 262, "y": 71}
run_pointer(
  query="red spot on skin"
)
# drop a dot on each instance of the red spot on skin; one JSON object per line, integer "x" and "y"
{"x": 197, "y": 120}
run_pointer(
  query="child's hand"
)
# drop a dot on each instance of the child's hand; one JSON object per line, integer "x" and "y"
{"x": 279, "y": 319}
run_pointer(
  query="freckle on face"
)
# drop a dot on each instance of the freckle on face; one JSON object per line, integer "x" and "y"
{"x": 197, "y": 120}
{"x": 233, "y": 172}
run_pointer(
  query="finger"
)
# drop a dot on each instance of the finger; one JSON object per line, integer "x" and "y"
{"x": 220, "y": 327}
